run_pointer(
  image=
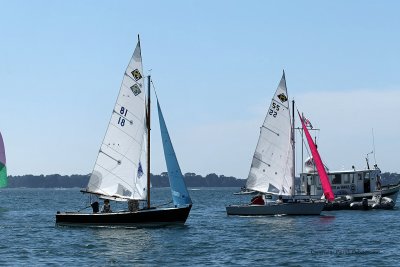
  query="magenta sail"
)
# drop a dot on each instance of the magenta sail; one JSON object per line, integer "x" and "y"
{"x": 326, "y": 185}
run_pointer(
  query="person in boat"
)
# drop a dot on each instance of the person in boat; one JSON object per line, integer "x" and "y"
{"x": 95, "y": 207}
{"x": 106, "y": 207}
{"x": 279, "y": 200}
{"x": 133, "y": 205}
{"x": 378, "y": 182}
{"x": 257, "y": 200}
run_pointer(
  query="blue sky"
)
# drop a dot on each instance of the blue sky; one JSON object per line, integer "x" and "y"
{"x": 215, "y": 64}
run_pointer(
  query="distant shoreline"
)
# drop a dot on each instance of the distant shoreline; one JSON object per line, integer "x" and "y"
{"x": 81, "y": 181}
{"x": 158, "y": 180}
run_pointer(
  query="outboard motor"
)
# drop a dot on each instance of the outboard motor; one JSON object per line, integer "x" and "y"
{"x": 365, "y": 203}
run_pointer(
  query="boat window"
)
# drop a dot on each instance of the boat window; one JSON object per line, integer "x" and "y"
{"x": 337, "y": 179}
{"x": 360, "y": 176}
{"x": 318, "y": 180}
{"x": 310, "y": 179}
{"x": 331, "y": 177}
{"x": 367, "y": 175}
{"x": 346, "y": 178}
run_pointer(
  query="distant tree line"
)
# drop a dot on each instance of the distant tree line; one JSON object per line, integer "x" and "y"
{"x": 48, "y": 181}
{"x": 390, "y": 178}
{"x": 81, "y": 181}
{"x": 159, "y": 180}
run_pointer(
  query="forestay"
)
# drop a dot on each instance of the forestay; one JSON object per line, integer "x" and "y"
{"x": 180, "y": 195}
{"x": 119, "y": 170}
{"x": 272, "y": 164}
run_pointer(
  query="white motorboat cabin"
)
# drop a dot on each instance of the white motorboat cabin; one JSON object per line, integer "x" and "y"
{"x": 343, "y": 182}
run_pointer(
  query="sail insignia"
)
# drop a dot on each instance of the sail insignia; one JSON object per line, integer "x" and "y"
{"x": 282, "y": 98}
{"x": 135, "y": 89}
{"x": 136, "y": 74}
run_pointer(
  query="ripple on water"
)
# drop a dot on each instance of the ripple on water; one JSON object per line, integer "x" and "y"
{"x": 210, "y": 238}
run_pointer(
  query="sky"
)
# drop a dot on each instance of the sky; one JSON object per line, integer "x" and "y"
{"x": 215, "y": 65}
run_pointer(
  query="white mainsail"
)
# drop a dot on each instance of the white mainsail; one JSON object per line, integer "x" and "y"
{"x": 120, "y": 166}
{"x": 272, "y": 164}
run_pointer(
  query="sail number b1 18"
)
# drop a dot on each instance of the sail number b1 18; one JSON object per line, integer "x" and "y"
{"x": 123, "y": 111}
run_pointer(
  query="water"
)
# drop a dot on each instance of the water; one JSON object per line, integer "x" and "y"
{"x": 209, "y": 238}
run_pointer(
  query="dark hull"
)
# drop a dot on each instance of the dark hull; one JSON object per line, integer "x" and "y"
{"x": 145, "y": 217}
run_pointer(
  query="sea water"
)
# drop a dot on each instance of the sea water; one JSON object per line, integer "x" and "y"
{"x": 29, "y": 235}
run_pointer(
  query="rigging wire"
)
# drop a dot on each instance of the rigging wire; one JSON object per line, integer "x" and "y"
{"x": 300, "y": 130}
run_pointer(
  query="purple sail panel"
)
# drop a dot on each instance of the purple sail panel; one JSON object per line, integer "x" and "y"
{"x": 2, "y": 152}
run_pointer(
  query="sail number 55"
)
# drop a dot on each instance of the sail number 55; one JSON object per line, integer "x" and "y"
{"x": 274, "y": 110}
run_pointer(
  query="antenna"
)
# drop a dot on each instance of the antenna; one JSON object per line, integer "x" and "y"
{"x": 367, "y": 158}
{"x": 373, "y": 145}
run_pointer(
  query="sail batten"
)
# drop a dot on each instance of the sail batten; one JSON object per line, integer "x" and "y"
{"x": 274, "y": 146}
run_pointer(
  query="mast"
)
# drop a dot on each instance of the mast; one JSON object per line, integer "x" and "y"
{"x": 293, "y": 150}
{"x": 302, "y": 148}
{"x": 148, "y": 140}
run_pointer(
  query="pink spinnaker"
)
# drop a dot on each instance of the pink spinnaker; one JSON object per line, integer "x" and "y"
{"x": 326, "y": 185}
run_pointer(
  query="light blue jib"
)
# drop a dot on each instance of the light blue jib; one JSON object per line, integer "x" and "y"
{"x": 180, "y": 194}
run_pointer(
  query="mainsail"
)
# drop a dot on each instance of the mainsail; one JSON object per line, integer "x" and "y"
{"x": 326, "y": 186}
{"x": 3, "y": 169}
{"x": 272, "y": 166}
{"x": 119, "y": 171}
{"x": 180, "y": 195}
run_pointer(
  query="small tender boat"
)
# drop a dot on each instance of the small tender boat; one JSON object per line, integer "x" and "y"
{"x": 377, "y": 202}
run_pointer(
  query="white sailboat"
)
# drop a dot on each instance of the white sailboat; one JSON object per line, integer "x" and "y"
{"x": 122, "y": 168}
{"x": 272, "y": 167}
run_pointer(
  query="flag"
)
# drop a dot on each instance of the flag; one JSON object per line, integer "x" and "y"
{"x": 307, "y": 122}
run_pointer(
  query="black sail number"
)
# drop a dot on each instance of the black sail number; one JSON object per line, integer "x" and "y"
{"x": 274, "y": 109}
{"x": 123, "y": 111}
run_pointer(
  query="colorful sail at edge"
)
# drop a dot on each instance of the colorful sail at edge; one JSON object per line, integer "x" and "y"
{"x": 3, "y": 169}
{"x": 326, "y": 185}
{"x": 180, "y": 194}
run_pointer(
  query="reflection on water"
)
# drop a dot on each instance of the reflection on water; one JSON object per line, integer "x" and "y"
{"x": 327, "y": 219}
{"x": 119, "y": 241}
